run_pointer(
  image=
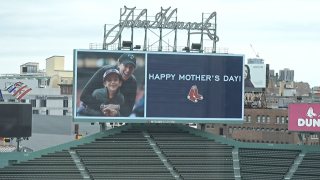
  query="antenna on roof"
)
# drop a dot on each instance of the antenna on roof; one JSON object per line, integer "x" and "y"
{"x": 257, "y": 54}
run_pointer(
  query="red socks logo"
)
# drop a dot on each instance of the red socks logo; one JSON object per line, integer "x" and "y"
{"x": 193, "y": 94}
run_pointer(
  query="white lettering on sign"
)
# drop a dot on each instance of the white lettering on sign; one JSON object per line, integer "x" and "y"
{"x": 161, "y": 76}
{"x": 193, "y": 77}
{"x": 232, "y": 78}
{"x": 308, "y": 122}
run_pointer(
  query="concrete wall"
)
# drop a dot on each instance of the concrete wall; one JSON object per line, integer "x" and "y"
{"x": 54, "y": 63}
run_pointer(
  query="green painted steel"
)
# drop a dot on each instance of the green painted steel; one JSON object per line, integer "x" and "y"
{"x": 20, "y": 156}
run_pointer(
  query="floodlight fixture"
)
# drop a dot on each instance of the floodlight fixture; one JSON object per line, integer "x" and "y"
{"x": 187, "y": 49}
{"x": 126, "y": 44}
{"x": 196, "y": 46}
{"x": 137, "y": 47}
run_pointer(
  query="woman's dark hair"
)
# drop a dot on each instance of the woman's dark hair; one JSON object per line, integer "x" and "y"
{"x": 248, "y": 74}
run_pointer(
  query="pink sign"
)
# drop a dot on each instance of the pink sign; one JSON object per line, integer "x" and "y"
{"x": 304, "y": 117}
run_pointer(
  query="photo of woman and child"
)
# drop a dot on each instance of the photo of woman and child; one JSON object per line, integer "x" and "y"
{"x": 112, "y": 90}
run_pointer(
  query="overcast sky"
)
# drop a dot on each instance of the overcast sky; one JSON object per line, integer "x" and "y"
{"x": 286, "y": 33}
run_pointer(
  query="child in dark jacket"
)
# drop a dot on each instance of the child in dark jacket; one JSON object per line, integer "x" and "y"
{"x": 110, "y": 94}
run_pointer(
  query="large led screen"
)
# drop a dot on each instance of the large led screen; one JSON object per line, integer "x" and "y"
{"x": 157, "y": 87}
{"x": 15, "y": 120}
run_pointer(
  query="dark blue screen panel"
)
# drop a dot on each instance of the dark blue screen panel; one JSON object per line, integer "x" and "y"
{"x": 171, "y": 77}
{"x": 15, "y": 120}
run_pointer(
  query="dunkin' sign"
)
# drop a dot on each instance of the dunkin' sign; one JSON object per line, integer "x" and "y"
{"x": 304, "y": 117}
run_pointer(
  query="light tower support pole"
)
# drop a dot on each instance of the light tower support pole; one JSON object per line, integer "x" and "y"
{"x": 131, "y": 48}
{"x": 119, "y": 44}
{"x": 201, "y": 40}
{"x": 145, "y": 34}
{"x": 175, "y": 34}
{"x": 104, "y": 37}
{"x": 214, "y": 50}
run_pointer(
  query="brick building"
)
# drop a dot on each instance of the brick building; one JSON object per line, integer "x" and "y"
{"x": 262, "y": 126}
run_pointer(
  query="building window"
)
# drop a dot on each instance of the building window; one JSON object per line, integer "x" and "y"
{"x": 208, "y": 126}
{"x": 253, "y": 129}
{"x": 23, "y": 100}
{"x": 47, "y": 112}
{"x": 35, "y": 111}
{"x": 244, "y": 128}
{"x": 267, "y": 130}
{"x": 268, "y": 119}
{"x": 258, "y": 119}
{"x": 239, "y": 128}
{"x": 33, "y": 103}
{"x": 272, "y": 130}
{"x": 43, "y": 103}
{"x": 258, "y": 129}
{"x": 277, "y": 130}
{"x": 221, "y": 131}
{"x": 65, "y": 103}
{"x": 248, "y": 128}
{"x": 230, "y": 129}
{"x": 263, "y": 119}
{"x": 314, "y": 136}
{"x": 65, "y": 112}
{"x": 11, "y": 100}
{"x": 249, "y": 118}
{"x": 287, "y": 120}
{"x": 234, "y": 128}
{"x": 281, "y": 130}
{"x": 1, "y": 100}
{"x": 277, "y": 120}
{"x": 282, "y": 119}
{"x": 262, "y": 129}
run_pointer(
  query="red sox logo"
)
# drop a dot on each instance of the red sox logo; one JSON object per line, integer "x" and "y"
{"x": 193, "y": 94}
